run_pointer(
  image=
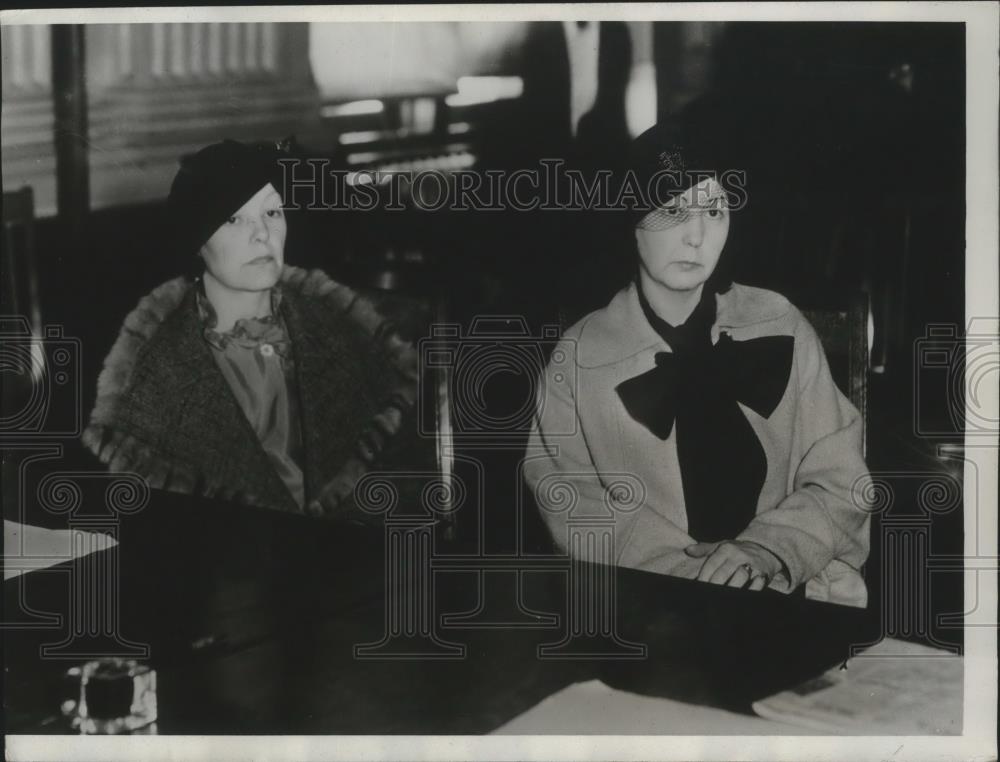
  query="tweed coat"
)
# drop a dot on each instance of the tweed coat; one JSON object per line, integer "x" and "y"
{"x": 812, "y": 511}
{"x": 165, "y": 411}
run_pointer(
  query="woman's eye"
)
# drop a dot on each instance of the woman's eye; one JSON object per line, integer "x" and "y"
{"x": 232, "y": 220}
{"x": 672, "y": 211}
{"x": 275, "y": 212}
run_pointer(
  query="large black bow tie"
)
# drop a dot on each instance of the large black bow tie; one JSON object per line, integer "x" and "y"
{"x": 753, "y": 372}
{"x": 723, "y": 465}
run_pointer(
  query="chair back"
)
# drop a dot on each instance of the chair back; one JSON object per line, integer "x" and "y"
{"x": 844, "y": 335}
{"x": 431, "y": 438}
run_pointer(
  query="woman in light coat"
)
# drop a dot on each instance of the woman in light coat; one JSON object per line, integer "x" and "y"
{"x": 698, "y": 417}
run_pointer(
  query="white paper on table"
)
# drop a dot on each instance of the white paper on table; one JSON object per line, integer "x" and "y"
{"x": 27, "y": 548}
{"x": 893, "y": 688}
{"x": 592, "y": 707}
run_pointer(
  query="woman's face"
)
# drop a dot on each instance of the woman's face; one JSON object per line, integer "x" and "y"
{"x": 248, "y": 251}
{"x": 680, "y": 243}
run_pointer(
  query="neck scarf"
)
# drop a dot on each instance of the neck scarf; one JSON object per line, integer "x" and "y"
{"x": 253, "y": 357}
{"x": 698, "y": 387}
{"x": 265, "y": 334}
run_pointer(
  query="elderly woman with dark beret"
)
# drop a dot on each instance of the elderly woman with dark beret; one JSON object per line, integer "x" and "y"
{"x": 256, "y": 382}
{"x": 715, "y": 397}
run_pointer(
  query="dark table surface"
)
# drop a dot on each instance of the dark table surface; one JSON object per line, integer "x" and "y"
{"x": 251, "y": 620}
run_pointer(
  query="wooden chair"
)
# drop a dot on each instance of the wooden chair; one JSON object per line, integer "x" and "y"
{"x": 414, "y": 317}
{"x": 844, "y": 335}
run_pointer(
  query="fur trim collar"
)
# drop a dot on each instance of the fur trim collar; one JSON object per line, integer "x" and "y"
{"x": 159, "y": 369}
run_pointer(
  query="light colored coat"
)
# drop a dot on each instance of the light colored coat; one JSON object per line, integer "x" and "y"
{"x": 812, "y": 511}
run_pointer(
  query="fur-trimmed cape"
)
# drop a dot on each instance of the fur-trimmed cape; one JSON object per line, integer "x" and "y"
{"x": 165, "y": 411}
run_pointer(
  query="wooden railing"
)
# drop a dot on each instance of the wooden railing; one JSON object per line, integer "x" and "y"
{"x": 26, "y": 127}
{"x": 155, "y": 91}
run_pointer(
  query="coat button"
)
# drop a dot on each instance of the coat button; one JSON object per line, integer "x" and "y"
{"x": 267, "y": 350}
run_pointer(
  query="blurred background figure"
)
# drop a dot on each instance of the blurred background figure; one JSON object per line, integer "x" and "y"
{"x": 585, "y": 127}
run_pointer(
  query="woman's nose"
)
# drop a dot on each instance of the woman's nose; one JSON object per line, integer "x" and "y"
{"x": 694, "y": 229}
{"x": 261, "y": 231}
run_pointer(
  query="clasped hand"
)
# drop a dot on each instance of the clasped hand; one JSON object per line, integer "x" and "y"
{"x": 735, "y": 563}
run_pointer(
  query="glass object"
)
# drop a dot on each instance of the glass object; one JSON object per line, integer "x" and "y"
{"x": 115, "y": 696}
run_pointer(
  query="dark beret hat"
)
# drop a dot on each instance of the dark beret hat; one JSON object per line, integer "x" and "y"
{"x": 212, "y": 184}
{"x": 666, "y": 160}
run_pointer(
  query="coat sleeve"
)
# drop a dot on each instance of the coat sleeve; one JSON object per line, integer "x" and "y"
{"x": 825, "y": 517}
{"x": 572, "y": 493}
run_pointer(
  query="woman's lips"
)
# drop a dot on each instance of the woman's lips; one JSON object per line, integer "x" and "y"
{"x": 688, "y": 265}
{"x": 262, "y": 260}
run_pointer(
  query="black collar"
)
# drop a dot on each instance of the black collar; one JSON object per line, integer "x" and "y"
{"x": 694, "y": 333}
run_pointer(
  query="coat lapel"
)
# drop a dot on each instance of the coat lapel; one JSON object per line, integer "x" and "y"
{"x": 333, "y": 395}
{"x": 248, "y": 471}
{"x": 165, "y": 409}
{"x": 620, "y": 330}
